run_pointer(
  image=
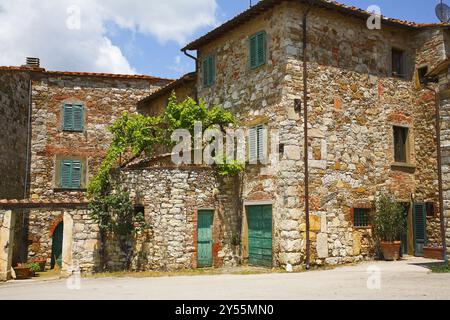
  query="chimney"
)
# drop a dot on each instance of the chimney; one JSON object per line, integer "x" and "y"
{"x": 33, "y": 62}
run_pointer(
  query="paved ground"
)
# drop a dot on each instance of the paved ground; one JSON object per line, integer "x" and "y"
{"x": 408, "y": 279}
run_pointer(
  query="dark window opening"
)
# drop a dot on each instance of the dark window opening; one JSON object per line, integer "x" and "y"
{"x": 139, "y": 209}
{"x": 361, "y": 217}
{"x": 400, "y": 144}
{"x": 421, "y": 73}
{"x": 398, "y": 68}
{"x": 430, "y": 209}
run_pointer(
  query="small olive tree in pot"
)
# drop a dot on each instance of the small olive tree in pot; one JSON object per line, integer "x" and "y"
{"x": 389, "y": 225}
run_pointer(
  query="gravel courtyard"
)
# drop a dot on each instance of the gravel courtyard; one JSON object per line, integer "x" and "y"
{"x": 407, "y": 279}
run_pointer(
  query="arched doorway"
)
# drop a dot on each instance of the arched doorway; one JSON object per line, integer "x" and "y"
{"x": 57, "y": 245}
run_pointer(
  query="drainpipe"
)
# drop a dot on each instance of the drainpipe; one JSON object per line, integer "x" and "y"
{"x": 305, "y": 123}
{"x": 28, "y": 151}
{"x": 196, "y": 70}
{"x": 439, "y": 169}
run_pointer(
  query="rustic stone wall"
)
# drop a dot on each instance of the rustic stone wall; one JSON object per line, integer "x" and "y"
{"x": 80, "y": 237}
{"x": 14, "y": 110}
{"x": 172, "y": 198}
{"x": 445, "y": 146}
{"x": 104, "y": 99}
{"x": 353, "y": 105}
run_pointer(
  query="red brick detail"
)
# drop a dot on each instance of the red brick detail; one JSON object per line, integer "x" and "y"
{"x": 55, "y": 224}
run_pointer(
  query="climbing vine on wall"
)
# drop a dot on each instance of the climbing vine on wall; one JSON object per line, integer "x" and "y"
{"x": 137, "y": 135}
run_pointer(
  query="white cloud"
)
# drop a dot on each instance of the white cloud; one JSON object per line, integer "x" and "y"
{"x": 66, "y": 38}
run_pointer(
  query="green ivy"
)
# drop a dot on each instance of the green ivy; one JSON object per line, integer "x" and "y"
{"x": 136, "y": 135}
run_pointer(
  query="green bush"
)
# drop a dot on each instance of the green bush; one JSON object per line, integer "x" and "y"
{"x": 34, "y": 267}
{"x": 388, "y": 220}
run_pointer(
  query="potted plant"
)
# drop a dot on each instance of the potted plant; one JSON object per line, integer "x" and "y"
{"x": 34, "y": 268}
{"x": 388, "y": 226}
{"x": 42, "y": 262}
{"x": 22, "y": 271}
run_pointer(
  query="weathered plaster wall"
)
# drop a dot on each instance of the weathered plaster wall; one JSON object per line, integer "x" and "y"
{"x": 14, "y": 106}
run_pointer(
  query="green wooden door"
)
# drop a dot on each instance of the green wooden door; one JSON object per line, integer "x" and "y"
{"x": 204, "y": 241}
{"x": 420, "y": 228}
{"x": 57, "y": 244}
{"x": 260, "y": 235}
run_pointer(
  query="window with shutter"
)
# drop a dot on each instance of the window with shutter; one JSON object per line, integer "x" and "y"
{"x": 73, "y": 117}
{"x": 257, "y": 144}
{"x": 66, "y": 170}
{"x": 258, "y": 49}
{"x": 71, "y": 171}
{"x": 209, "y": 70}
{"x": 78, "y": 120}
{"x": 68, "y": 117}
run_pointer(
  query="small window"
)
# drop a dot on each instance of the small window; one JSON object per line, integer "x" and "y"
{"x": 398, "y": 68}
{"x": 401, "y": 144}
{"x": 258, "y": 48}
{"x": 139, "y": 210}
{"x": 71, "y": 174}
{"x": 73, "y": 117}
{"x": 257, "y": 143}
{"x": 421, "y": 72}
{"x": 209, "y": 70}
{"x": 361, "y": 217}
{"x": 430, "y": 209}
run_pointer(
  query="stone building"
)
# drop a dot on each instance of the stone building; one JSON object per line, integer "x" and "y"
{"x": 371, "y": 123}
{"x": 57, "y": 137}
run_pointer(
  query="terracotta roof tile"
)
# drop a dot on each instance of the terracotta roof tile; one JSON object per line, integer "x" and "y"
{"x": 83, "y": 74}
{"x": 172, "y": 85}
{"x": 34, "y": 203}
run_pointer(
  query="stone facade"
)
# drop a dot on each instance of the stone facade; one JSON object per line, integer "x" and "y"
{"x": 354, "y": 104}
{"x": 14, "y": 111}
{"x": 172, "y": 197}
{"x": 104, "y": 99}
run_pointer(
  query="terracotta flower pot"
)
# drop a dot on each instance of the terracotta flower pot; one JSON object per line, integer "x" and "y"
{"x": 433, "y": 253}
{"x": 391, "y": 250}
{"x": 22, "y": 273}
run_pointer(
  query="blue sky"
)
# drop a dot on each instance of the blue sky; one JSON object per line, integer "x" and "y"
{"x": 150, "y": 57}
{"x": 133, "y": 36}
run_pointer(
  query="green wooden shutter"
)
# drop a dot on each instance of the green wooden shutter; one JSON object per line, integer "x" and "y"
{"x": 209, "y": 70}
{"x": 205, "y": 71}
{"x": 420, "y": 228}
{"x": 78, "y": 118}
{"x": 253, "y": 145}
{"x": 76, "y": 175}
{"x": 68, "y": 117}
{"x": 212, "y": 69}
{"x": 261, "y": 45}
{"x": 261, "y": 142}
{"x": 66, "y": 174}
{"x": 253, "y": 52}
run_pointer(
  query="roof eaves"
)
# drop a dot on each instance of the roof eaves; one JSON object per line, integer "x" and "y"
{"x": 189, "y": 77}
{"x": 263, "y": 5}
